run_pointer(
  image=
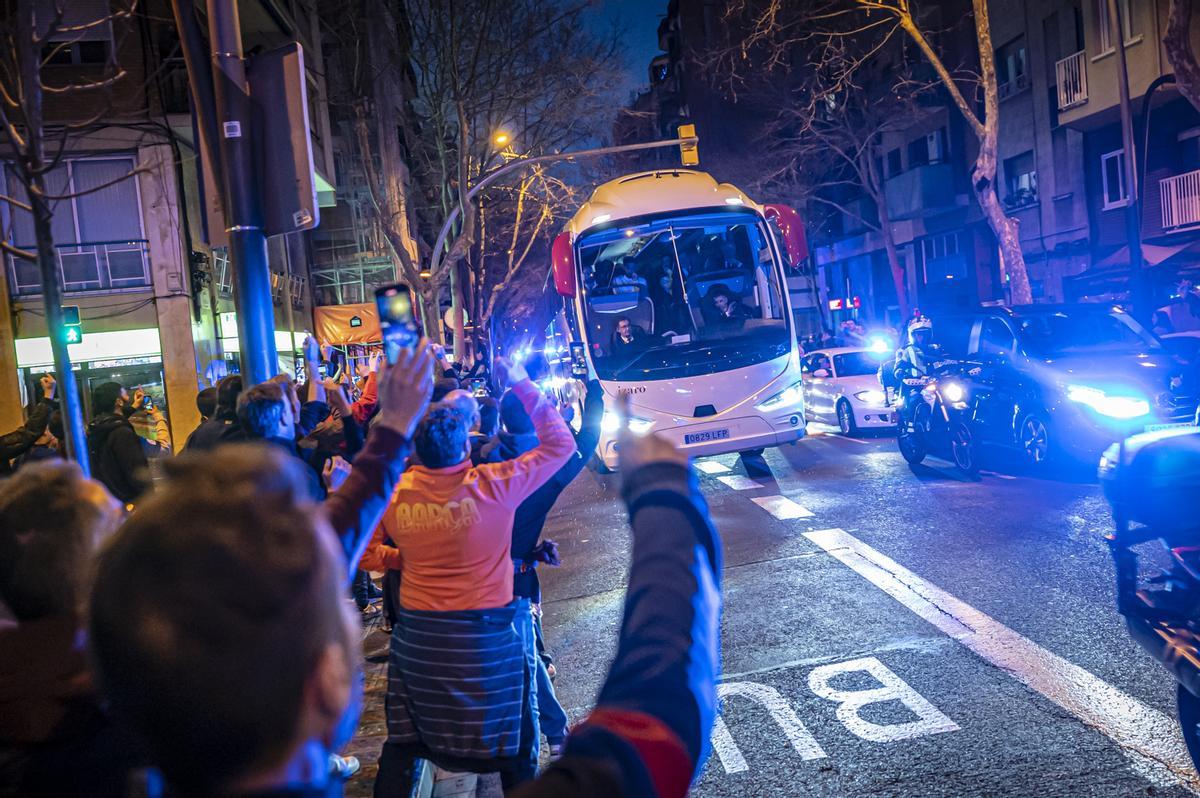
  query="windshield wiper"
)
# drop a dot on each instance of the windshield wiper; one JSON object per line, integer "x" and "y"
{"x": 617, "y": 374}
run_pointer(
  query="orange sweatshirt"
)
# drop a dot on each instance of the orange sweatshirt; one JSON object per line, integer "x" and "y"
{"x": 453, "y": 526}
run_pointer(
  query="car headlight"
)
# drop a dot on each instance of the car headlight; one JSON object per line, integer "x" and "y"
{"x": 611, "y": 423}
{"x": 1122, "y": 407}
{"x": 953, "y": 391}
{"x": 793, "y": 394}
{"x": 871, "y": 397}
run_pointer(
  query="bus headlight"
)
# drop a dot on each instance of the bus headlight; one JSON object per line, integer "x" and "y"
{"x": 611, "y": 423}
{"x": 1120, "y": 407}
{"x": 791, "y": 395}
{"x": 871, "y": 397}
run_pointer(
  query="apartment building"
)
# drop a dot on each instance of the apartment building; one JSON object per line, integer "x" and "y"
{"x": 143, "y": 258}
{"x": 1167, "y": 130}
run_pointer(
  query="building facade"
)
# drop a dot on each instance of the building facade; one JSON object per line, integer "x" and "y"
{"x": 142, "y": 258}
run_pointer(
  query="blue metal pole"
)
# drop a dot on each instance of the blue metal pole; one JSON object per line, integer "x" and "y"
{"x": 243, "y": 207}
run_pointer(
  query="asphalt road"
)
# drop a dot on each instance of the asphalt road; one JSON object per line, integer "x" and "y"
{"x": 891, "y": 631}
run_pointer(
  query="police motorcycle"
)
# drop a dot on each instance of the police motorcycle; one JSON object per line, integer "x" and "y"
{"x": 1151, "y": 482}
{"x": 935, "y": 416}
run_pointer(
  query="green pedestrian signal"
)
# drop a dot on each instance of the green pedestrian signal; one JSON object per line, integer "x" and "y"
{"x": 72, "y": 326}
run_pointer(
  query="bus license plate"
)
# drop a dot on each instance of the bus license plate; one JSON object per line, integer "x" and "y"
{"x": 705, "y": 437}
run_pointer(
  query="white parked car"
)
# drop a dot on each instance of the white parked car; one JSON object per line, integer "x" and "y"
{"x": 841, "y": 388}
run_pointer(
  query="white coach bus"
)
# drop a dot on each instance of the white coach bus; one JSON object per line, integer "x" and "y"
{"x": 675, "y": 293}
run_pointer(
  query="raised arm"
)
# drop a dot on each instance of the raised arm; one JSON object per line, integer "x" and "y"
{"x": 355, "y": 509}
{"x": 648, "y": 734}
{"x": 513, "y": 480}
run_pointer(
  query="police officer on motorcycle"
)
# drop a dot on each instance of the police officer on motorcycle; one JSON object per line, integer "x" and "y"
{"x": 914, "y": 363}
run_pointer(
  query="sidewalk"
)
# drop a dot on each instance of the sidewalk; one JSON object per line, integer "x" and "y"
{"x": 372, "y": 732}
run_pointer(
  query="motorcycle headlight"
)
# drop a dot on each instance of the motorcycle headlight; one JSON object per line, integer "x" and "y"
{"x": 611, "y": 423}
{"x": 871, "y": 397}
{"x": 953, "y": 391}
{"x": 1120, "y": 407}
{"x": 793, "y": 394}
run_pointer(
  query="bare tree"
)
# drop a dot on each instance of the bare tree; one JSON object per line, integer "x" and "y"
{"x": 777, "y": 28}
{"x": 34, "y": 33}
{"x": 1178, "y": 43}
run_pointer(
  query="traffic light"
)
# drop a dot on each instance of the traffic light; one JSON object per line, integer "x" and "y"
{"x": 689, "y": 154}
{"x": 72, "y": 328}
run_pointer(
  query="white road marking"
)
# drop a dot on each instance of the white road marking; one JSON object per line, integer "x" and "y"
{"x": 931, "y": 720}
{"x": 781, "y": 712}
{"x": 997, "y": 476}
{"x": 855, "y": 440}
{"x": 739, "y": 482}
{"x": 782, "y": 507}
{"x": 1150, "y": 739}
{"x": 711, "y": 467}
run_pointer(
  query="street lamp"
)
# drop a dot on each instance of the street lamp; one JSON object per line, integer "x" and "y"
{"x": 501, "y": 139}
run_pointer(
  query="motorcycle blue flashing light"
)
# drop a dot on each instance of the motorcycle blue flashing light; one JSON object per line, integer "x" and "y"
{"x": 1118, "y": 407}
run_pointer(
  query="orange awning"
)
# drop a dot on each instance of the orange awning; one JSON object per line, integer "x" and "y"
{"x": 339, "y": 325}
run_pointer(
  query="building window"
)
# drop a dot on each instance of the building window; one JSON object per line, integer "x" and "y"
{"x": 97, "y": 232}
{"x": 918, "y": 153}
{"x": 893, "y": 162}
{"x": 935, "y": 145}
{"x": 1112, "y": 175}
{"x": 84, "y": 36}
{"x": 1020, "y": 173}
{"x": 1012, "y": 73}
{"x": 1127, "y": 22}
{"x": 943, "y": 246}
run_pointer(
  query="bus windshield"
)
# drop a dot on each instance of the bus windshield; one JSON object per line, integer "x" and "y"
{"x": 682, "y": 296}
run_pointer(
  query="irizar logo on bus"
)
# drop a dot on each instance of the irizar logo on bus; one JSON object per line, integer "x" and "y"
{"x": 633, "y": 390}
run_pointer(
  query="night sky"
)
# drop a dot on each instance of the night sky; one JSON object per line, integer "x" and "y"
{"x": 638, "y": 19}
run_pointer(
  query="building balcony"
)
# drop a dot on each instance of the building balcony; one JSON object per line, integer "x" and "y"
{"x": 1180, "y": 197}
{"x": 87, "y": 267}
{"x": 921, "y": 191}
{"x": 1071, "y": 75}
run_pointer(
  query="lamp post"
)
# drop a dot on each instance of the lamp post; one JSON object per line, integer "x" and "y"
{"x": 1133, "y": 215}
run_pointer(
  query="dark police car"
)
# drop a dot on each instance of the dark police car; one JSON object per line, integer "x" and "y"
{"x": 1067, "y": 380}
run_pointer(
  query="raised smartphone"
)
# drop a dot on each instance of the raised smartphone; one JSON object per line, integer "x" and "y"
{"x": 396, "y": 319}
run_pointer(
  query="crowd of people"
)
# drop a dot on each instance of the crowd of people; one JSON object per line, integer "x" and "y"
{"x": 189, "y": 630}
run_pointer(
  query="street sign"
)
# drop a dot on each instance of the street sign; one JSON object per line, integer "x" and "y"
{"x": 288, "y": 185}
{"x": 689, "y": 154}
{"x": 72, "y": 326}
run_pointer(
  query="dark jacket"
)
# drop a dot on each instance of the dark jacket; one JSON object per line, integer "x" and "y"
{"x": 530, "y": 517}
{"x": 221, "y": 428}
{"x": 312, "y": 477}
{"x": 117, "y": 457}
{"x": 20, "y": 440}
{"x": 649, "y": 732}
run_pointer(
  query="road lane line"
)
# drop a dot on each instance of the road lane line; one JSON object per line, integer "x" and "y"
{"x": 997, "y": 476}
{"x": 739, "y": 482}
{"x": 1150, "y": 739}
{"x": 782, "y": 507}
{"x": 711, "y": 467}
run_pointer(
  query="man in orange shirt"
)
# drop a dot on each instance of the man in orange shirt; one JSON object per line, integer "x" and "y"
{"x": 461, "y": 672}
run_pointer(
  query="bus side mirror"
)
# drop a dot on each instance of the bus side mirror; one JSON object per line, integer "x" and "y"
{"x": 562, "y": 260}
{"x": 792, "y": 227}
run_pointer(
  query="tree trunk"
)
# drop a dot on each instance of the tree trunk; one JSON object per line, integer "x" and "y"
{"x": 983, "y": 177}
{"x": 1178, "y": 44}
{"x": 893, "y": 256}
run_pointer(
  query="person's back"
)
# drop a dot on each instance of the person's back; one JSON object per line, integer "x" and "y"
{"x": 55, "y": 738}
{"x": 449, "y": 519}
{"x": 117, "y": 457}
